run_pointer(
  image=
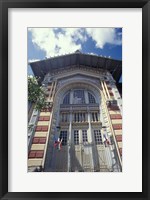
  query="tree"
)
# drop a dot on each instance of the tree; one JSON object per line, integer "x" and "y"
{"x": 36, "y": 93}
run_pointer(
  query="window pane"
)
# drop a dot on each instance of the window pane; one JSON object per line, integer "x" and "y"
{"x": 78, "y": 97}
{"x": 84, "y": 136}
{"x": 98, "y": 137}
{"x": 63, "y": 136}
{"x": 91, "y": 98}
{"x": 96, "y": 117}
{"x": 76, "y": 137}
{"x": 64, "y": 117}
{"x": 67, "y": 99}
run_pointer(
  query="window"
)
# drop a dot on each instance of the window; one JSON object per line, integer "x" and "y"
{"x": 91, "y": 98}
{"x": 98, "y": 137}
{"x": 64, "y": 117}
{"x": 94, "y": 116}
{"x": 76, "y": 137}
{"x": 63, "y": 136}
{"x": 83, "y": 117}
{"x": 75, "y": 117}
{"x": 78, "y": 96}
{"x": 84, "y": 136}
{"x": 79, "y": 117}
{"x": 67, "y": 99}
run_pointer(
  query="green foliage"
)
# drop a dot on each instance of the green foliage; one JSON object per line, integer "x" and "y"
{"x": 36, "y": 93}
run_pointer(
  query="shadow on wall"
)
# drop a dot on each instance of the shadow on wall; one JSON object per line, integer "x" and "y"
{"x": 74, "y": 161}
{"x": 56, "y": 160}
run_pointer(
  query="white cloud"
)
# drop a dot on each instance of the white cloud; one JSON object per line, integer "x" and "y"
{"x": 101, "y": 36}
{"x": 44, "y": 39}
{"x": 76, "y": 34}
{"x": 94, "y": 54}
{"x": 58, "y": 41}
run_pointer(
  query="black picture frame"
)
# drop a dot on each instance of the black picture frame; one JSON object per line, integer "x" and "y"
{"x": 4, "y": 6}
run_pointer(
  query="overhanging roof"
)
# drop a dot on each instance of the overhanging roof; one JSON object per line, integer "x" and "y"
{"x": 41, "y": 68}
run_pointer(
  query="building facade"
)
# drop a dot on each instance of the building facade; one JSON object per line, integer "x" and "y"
{"x": 84, "y": 115}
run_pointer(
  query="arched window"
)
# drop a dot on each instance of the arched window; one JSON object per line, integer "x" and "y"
{"x": 91, "y": 98}
{"x": 78, "y": 97}
{"x": 67, "y": 98}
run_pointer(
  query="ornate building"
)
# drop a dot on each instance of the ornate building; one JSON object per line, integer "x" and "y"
{"x": 85, "y": 115}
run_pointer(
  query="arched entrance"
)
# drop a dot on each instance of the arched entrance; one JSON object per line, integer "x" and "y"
{"x": 77, "y": 122}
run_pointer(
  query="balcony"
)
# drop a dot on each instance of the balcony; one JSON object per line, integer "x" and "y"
{"x": 81, "y": 107}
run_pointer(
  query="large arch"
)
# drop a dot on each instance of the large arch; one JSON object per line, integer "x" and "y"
{"x": 80, "y": 84}
{"x": 71, "y": 85}
{"x": 83, "y": 157}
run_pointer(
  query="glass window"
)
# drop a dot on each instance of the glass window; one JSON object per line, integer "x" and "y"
{"x": 98, "y": 137}
{"x": 78, "y": 97}
{"x": 64, "y": 117}
{"x": 76, "y": 137}
{"x": 63, "y": 136}
{"x": 84, "y": 136}
{"x": 75, "y": 119}
{"x": 94, "y": 116}
{"x": 67, "y": 99}
{"x": 91, "y": 98}
{"x": 83, "y": 117}
{"x": 79, "y": 117}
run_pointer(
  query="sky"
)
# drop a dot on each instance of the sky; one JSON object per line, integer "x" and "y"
{"x": 49, "y": 42}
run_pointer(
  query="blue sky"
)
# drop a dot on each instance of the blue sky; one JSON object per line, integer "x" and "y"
{"x": 49, "y": 42}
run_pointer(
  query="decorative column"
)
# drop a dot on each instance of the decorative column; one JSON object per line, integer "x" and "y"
{"x": 105, "y": 95}
{"x": 90, "y": 140}
{"x": 90, "y": 128}
{"x": 113, "y": 117}
{"x": 86, "y": 97}
{"x": 71, "y": 96}
{"x": 69, "y": 141}
{"x": 109, "y": 158}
